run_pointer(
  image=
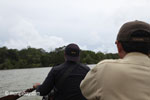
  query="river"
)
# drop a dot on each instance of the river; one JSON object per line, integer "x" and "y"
{"x": 18, "y": 80}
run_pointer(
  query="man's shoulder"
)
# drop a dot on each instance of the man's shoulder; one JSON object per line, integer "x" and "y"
{"x": 109, "y": 61}
{"x": 65, "y": 66}
{"x": 84, "y": 66}
{"x": 59, "y": 67}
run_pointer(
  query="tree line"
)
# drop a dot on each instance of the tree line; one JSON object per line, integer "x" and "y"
{"x": 31, "y": 57}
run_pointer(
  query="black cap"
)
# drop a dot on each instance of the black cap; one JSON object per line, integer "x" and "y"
{"x": 72, "y": 52}
{"x": 127, "y": 31}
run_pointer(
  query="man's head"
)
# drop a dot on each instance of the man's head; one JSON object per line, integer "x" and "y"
{"x": 133, "y": 36}
{"x": 72, "y": 52}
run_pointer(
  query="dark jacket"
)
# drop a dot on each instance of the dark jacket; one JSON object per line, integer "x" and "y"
{"x": 70, "y": 89}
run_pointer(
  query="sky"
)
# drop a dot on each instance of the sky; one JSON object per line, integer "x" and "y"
{"x": 49, "y": 24}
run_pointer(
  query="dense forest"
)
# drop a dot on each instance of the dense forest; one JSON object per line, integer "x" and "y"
{"x": 32, "y": 57}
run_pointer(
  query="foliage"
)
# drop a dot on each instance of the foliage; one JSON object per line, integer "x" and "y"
{"x": 31, "y": 57}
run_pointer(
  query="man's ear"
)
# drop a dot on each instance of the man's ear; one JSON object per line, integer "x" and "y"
{"x": 119, "y": 46}
{"x": 121, "y": 51}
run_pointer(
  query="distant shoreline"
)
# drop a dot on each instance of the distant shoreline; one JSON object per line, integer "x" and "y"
{"x": 90, "y": 65}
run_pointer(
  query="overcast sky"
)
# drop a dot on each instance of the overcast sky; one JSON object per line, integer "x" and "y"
{"x": 48, "y": 24}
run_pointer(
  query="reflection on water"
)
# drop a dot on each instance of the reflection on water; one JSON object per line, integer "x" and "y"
{"x": 21, "y": 79}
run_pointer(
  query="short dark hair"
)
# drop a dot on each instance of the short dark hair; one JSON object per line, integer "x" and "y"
{"x": 143, "y": 47}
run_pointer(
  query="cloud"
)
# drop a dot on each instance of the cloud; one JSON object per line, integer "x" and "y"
{"x": 23, "y": 33}
{"x": 93, "y": 24}
{"x": 106, "y": 48}
{"x": 47, "y": 43}
{"x": 0, "y": 18}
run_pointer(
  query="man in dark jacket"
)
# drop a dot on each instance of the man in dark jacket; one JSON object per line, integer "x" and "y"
{"x": 68, "y": 88}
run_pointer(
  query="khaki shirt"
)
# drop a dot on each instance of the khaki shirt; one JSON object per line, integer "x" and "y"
{"x": 122, "y": 79}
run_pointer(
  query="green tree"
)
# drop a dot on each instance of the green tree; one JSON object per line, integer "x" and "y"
{"x": 32, "y": 57}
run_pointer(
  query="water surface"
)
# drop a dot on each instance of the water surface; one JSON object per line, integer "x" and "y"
{"x": 18, "y": 80}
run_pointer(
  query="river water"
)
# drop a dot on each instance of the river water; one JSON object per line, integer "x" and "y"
{"x": 18, "y": 80}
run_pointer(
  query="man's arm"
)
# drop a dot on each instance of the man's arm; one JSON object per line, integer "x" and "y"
{"x": 90, "y": 87}
{"x": 47, "y": 85}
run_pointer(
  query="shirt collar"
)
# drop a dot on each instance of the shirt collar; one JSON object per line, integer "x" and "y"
{"x": 135, "y": 54}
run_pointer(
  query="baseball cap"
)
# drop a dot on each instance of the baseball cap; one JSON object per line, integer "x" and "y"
{"x": 72, "y": 52}
{"x": 128, "y": 30}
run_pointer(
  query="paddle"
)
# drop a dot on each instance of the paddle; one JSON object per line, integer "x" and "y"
{"x": 16, "y": 96}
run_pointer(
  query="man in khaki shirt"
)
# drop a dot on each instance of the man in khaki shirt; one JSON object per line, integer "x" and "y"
{"x": 127, "y": 78}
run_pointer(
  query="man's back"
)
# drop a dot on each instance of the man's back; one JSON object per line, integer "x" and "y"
{"x": 123, "y": 79}
{"x": 129, "y": 78}
{"x": 69, "y": 89}
{"x": 65, "y": 78}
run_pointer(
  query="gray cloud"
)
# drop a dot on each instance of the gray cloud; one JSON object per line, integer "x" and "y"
{"x": 23, "y": 33}
{"x": 93, "y": 24}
